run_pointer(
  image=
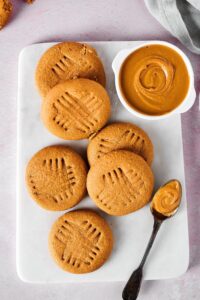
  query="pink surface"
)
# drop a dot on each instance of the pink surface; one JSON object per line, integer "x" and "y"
{"x": 50, "y": 20}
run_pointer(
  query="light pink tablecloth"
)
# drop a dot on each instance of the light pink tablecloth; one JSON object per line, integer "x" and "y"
{"x": 50, "y": 20}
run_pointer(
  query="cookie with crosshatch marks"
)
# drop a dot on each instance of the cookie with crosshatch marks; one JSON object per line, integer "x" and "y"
{"x": 56, "y": 177}
{"x": 120, "y": 182}
{"x": 120, "y": 136}
{"x": 76, "y": 109}
{"x": 68, "y": 60}
{"x": 80, "y": 241}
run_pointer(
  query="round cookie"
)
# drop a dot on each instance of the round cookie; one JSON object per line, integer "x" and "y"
{"x": 120, "y": 182}
{"x": 56, "y": 177}
{"x": 5, "y": 12}
{"x": 120, "y": 136}
{"x": 80, "y": 241}
{"x": 68, "y": 60}
{"x": 76, "y": 109}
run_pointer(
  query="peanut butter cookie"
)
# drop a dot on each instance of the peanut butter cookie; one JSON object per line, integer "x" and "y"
{"x": 56, "y": 177}
{"x": 76, "y": 109}
{"x": 120, "y": 136}
{"x": 120, "y": 182}
{"x": 5, "y": 12}
{"x": 80, "y": 241}
{"x": 68, "y": 60}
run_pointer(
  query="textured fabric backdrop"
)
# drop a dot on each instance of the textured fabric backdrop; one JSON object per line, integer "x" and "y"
{"x": 181, "y": 18}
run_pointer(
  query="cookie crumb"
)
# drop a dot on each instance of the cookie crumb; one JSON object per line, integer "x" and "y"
{"x": 5, "y": 12}
{"x": 29, "y": 1}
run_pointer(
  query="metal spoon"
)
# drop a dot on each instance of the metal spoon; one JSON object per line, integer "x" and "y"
{"x": 169, "y": 198}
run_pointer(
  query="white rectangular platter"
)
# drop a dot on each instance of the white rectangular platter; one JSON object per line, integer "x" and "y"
{"x": 170, "y": 254}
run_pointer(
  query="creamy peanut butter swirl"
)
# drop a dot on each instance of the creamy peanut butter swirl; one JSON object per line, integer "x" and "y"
{"x": 153, "y": 80}
{"x": 167, "y": 198}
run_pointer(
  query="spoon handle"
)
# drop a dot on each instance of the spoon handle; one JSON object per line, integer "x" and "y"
{"x": 156, "y": 227}
{"x": 132, "y": 287}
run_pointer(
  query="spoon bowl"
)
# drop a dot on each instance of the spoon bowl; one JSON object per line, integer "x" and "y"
{"x": 166, "y": 200}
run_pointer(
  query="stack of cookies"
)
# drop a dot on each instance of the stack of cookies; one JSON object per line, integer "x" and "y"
{"x": 120, "y": 180}
{"x": 71, "y": 80}
{"x": 75, "y": 105}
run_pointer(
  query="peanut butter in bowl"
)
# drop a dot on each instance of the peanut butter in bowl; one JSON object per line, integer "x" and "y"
{"x": 154, "y": 79}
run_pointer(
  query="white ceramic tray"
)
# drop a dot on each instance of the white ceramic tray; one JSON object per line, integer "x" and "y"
{"x": 170, "y": 253}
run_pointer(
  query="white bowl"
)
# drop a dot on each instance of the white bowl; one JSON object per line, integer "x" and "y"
{"x": 185, "y": 105}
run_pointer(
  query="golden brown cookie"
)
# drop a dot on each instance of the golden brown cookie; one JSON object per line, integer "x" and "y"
{"x": 120, "y": 182}
{"x": 68, "y": 60}
{"x": 80, "y": 241}
{"x": 76, "y": 109}
{"x": 120, "y": 136}
{"x": 56, "y": 177}
{"x": 5, "y": 12}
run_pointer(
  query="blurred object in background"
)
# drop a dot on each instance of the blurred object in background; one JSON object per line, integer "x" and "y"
{"x": 6, "y": 9}
{"x": 29, "y": 1}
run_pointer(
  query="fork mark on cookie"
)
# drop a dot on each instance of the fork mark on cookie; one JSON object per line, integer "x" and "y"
{"x": 82, "y": 109}
{"x": 134, "y": 139}
{"x": 70, "y": 178}
{"x": 81, "y": 115}
{"x": 128, "y": 137}
{"x": 63, "y": 196}
{"x": 62, "y": 66}
{"x": 60, "y": 166}
{"x": 61, "y": 121}
{"x": 92, "y": 102}
{"x": 85, "y": 236}
{"x": 126, "y": 191}
{"x": 70, "y": 111}
{"x": 33, "y": 186}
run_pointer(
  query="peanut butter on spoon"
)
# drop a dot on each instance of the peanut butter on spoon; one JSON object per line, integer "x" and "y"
{"x": 167, "y": 199}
